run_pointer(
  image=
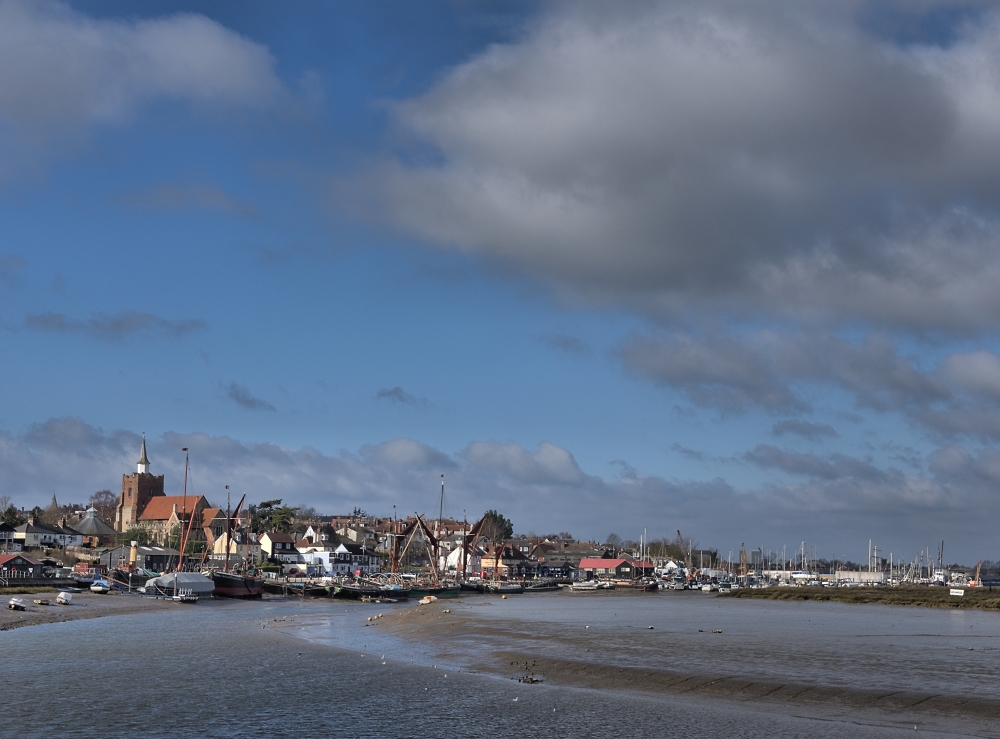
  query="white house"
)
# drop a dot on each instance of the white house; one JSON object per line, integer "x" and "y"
{"x": 34, "y": 535}
{"x": 346, "y": 559}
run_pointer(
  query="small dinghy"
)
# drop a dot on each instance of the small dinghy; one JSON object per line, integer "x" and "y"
{"x": 64, "y": 599}
{"x": 41, "y": 601}
{"x": 16, "y": 604}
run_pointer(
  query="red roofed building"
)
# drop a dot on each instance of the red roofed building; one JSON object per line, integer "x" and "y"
{"x": 619, "y": 568}
{"x": 163, "y": 512}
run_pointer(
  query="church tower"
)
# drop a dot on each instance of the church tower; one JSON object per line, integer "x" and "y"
{"x": 137, "y": 490}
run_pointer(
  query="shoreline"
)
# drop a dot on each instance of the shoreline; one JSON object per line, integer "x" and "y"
{"x": 84, "y": 606}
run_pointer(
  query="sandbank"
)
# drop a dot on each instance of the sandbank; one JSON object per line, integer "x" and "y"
{"x": 514, "y": 649}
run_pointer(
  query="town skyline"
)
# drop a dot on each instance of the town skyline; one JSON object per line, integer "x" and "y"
{"x": 715, "y": 268}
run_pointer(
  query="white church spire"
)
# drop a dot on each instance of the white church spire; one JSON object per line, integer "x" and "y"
{"x": 143, "y": 465}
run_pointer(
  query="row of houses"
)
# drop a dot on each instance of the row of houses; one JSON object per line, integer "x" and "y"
{"x": 34, "y": 535}
{"x": 526, "y": 557}
{"x": 320, "y": 550}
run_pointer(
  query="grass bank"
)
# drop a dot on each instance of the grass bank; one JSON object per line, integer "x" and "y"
{"x": 15, "y": 590}
{"x": 930, "y": 597}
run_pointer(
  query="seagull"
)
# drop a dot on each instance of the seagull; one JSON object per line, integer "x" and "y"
{"x": 515, "y": 700}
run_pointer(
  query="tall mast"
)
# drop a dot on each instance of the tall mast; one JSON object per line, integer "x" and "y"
{"x": 440, "y": 508}
{"x": 229, "y": 531}
{"x": 180, "y": 558}
{"x": 246, "y": 547}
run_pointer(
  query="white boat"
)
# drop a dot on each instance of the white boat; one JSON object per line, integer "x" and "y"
{"x": 16, "y": 604}
{"x": 709, "y": 587}
{"x": 174, "y": 583}
{"x": 427, "y": 600}
{"x": 585, "y": 586}
{"x": 64, "y": 599}
{"x": 101, "y": 586}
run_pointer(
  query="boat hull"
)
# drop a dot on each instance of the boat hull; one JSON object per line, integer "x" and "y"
{"x": 505, "y": 589}
{"x": 232, "y": 585}
{"x": 357, "y": 592}
{"x": 548, "y": 587}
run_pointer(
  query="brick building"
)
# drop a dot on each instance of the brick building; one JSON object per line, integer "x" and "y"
{"x": 137, "y": 490}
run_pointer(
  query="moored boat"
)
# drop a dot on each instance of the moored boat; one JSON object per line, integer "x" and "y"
{"x": 174, "y": 582}
{"x": 357, "y": 591}
{"x": 101, "y": 586}
{"x": 394, "y": 591}
{"x": 234, "y": 585}
{"x": 504, "y": 588}
{"x": 541, "y": 586}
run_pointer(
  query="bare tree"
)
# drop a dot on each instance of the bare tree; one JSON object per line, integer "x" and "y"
{"x": 105, "y": 502}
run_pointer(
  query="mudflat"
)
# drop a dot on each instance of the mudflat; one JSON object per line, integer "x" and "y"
{"x": 824, "y": 659}
{"x": 985, "y": 598}
{"x": 84, "y": 605}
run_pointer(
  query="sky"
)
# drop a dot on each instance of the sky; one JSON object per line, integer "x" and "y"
{"x": 607, "y": 267}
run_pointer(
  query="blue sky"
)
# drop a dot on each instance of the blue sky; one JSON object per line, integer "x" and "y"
{"x": 607, "y": 267}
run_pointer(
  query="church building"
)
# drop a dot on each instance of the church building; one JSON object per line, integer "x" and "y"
{"x": 143, "y": 504}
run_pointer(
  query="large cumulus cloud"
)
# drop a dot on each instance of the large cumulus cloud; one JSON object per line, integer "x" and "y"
{"x": 779, "y": 160}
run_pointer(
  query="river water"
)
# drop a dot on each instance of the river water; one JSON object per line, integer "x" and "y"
{"x": 318, "y": 668}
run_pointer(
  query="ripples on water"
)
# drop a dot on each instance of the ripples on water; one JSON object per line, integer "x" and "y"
{"x": 211, "y": 670}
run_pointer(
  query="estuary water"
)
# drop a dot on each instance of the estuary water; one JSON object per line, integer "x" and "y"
{"x": 319, "y": 668}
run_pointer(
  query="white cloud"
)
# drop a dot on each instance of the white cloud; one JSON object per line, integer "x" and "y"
{"x": 550, "y": 464}
{"x": 407, "y": 453}
{"x": 62, "y": 72}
